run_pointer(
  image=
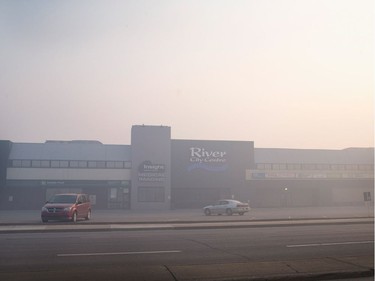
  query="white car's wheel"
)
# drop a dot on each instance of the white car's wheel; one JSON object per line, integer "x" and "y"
{"x": 229, "y": 212}
{"x": 207, "y": 212}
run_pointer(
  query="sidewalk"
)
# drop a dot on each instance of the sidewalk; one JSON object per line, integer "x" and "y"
{"x": 196, "y": 215}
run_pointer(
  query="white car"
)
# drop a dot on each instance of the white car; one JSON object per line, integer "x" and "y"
{"x": 227, "y": 206}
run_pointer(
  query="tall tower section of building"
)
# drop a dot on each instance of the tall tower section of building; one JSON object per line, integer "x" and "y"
{"x": 151, "y": 167}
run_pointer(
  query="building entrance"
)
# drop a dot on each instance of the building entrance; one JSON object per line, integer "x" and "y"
{"x": 119, "y": 198}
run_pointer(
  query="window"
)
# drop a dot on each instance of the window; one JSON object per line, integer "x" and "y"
{"x": 151, "y": 194}
{"x": 26, "y": 163}
{"x": 113, "y": 193}
{"x": 297, "y": 166}
{"x": 308, "y": 166}
{"x": 92, "y": 164}
{"x": 17, "y": 163}
{"x": 111, "y": 164}
{"x": 334, "y": 167}
{"x": 275, "y": 167}
{"x": 36, "y": 163}
{"x": 82, "y": 164}
{"x": 279, "y": 166}
{"x": 352, "y": 167}
{"x": 44, "y": 163}
{"x": 267, "y": 166}
{"x": 83, "y": 199}
{"x": 341, "y": 167}
{"x": 115, "y": 164}
{"x": 282, "y": 166}
{"x": 365, "y": 167}
{"x": 100, "y": 164}
{"x": 96, "y": 164}
{"x": 21, "y": 163}
{"x": 322, "y": 167}
{"x": 59, "y": 164}
{"x": 260, "y": 166}
{"x": 337, "y": 167}
{"x": 290, "y": 167}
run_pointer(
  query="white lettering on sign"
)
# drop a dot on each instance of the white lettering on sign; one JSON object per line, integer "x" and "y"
{"x": 198, "y": 154}
{"x": 156, "y": 167}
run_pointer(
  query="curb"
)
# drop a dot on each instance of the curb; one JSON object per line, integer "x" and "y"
{"x": 188, "y": 221}
{"x": 309, "y": 276}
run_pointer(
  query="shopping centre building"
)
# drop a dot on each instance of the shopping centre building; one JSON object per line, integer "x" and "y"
{"x": 157, "y": 172}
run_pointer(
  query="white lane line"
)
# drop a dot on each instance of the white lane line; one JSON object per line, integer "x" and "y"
{"x": 330, "y": 244}
{"x": 118, "y": 253}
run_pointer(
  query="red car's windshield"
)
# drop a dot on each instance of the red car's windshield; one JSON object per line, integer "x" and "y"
{"x": 63, "y": 199}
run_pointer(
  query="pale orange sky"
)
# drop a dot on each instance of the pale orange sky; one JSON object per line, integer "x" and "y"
{"x": 281, "y": 73}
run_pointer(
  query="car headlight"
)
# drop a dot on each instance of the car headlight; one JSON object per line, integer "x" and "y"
{"x": 67, "y": 209}
{"x": 44, "y": 209}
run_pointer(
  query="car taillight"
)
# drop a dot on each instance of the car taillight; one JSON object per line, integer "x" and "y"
{"x": 242, "y": 205}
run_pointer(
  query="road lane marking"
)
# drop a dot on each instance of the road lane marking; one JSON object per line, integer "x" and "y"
{"x": 330, "y": 244}
{"x": 118, "y": 253}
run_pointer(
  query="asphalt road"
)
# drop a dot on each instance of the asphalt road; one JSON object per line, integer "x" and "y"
{"x": 174, "y": 254}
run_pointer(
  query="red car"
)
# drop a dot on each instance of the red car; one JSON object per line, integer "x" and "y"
{"x": 67, "y": 207}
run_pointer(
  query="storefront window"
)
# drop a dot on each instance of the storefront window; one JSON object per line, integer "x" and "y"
{"x": 151, "y": 194}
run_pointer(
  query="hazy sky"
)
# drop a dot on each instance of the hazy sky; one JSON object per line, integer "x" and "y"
{"x": 281, "y": 73}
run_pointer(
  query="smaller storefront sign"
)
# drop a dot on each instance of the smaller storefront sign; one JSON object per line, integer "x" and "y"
{"x": 151, "y": 172}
